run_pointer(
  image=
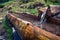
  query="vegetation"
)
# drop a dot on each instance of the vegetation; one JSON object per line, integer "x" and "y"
{"x": 8, "y": 29}
{"x": 1, "y": 6}
{"x": 16, "y": 6}
{"x": 3, "y": 1}
{"x": 54, "y": 2}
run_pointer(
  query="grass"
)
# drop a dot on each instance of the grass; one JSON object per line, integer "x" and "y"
{"x": 7, "y": 28}
{"x": 4, "y": 1}
{"x": 56, "y": 3}
{"x": 32, "y": 11}
{"x": 52, "y": 3}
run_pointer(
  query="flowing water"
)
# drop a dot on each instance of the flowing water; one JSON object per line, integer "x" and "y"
{"x": 43, "y": 19}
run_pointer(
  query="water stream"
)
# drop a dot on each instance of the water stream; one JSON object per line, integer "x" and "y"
{"x": 43, "y": 19}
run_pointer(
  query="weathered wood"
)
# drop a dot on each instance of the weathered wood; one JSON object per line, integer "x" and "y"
{"x": 51, "y": 11}
{"x": 29, "y": 31}
{"x": 50, "y": 14}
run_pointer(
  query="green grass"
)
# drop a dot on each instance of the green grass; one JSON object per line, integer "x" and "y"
{"x": 56, "y": 3}
{"x": 52, "y": 3}
{"x": 32, "y": 11}
{"x": 7, "y": 3}
{"x": 8, "y": 29}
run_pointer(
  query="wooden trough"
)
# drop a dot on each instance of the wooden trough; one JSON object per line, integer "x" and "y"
{"x": 27, "y": 29}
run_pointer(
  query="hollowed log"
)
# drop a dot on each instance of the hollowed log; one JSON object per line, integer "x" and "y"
{"x": 30, "y": 31}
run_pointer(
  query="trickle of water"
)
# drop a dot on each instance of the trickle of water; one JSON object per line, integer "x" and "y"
{"x": 13, "y": 29}
{"x": 43, "y": 19}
